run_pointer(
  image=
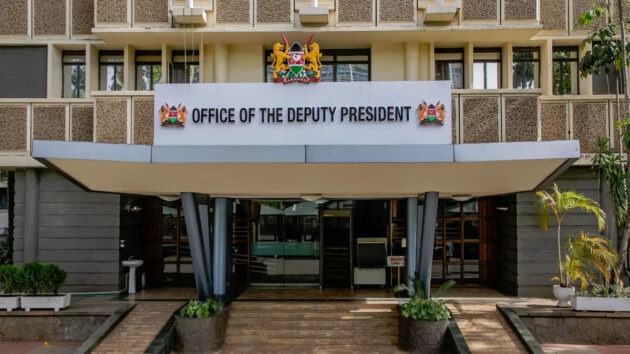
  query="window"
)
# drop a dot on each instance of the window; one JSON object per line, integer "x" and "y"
{"x": 185, "y": 67}
{"x": 606, "y": 83}
{"x": 565, "y": 71}
{"x": 4, "y": 199}
{"x": 449, "y": 65}
{"x": 487, "y": 68}
{"x": 337, "y": 65}
{"x": 148, "y": 70}
{"x": 525, "y": 68}
{"x": 111, "y": 70}
{"x": 23, "y": 71}
{"x": 73, "y": 74}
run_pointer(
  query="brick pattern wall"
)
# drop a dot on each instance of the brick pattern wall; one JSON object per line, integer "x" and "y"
{"x": 521, "y": 118}
{"x": 111, "y": 11}
{"x": 479, "y": 10}
{"x": 480, "y": 119}
{"x": 82, "y": 16}
{"x": 519, "y": 9}
{"x": 143, "y": 121}
{"x": 150, "y": 11}
{"x": 396, "y": 10}
{"x": 553, "y": 14}
{"x": 49, "y": 122}
{"x": 12, "y": 128}
{"x": 273, "y": 11}
{"x": 49, "y": 17}
{"x": 589, "y": 124}
{"x": 553, "y": 121}
{"x": 232, "y": 11}
{"x": 13, "y": 17}
{"x": 82, "y": 123}
{"x": 111, "y": 121}
{"x": 355, "y": 11}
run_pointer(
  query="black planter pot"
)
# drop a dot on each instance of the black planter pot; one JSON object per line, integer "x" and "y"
{"x": 200, "y": 335}
{"x": 418, "y": 336}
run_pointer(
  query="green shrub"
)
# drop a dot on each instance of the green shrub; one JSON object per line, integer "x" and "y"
{"x": 425, "y": 308}
{"x": 10, "y": 279}
{"x": 198, "y": 309}
{"x": 42, "y": 279}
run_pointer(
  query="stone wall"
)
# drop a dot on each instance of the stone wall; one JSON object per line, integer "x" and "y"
{"x": 521, "y": 118}
{"x": 111, "y": 121}
{"x": 519, "y": 9}
{"x": 481, "y": 119}
{"x": 479, "y": 10}
{"x": 553, "y": 121}
{"x": 553, "y": 14}
{"x": 232, "y": 11}
{"x": 49, "y": 17}
{"x": 396, "y": 10}
{"x": 13, "y": 128}
{"x": 150, "y": 11}
{"x": 590, "y": 122}
{"x": 355, "y": 11}
{"x": 82, "y": 123}
{"x": 49, "y": 122}
{"x": 273, "y": 11}
{"x": 13, "y": 17}
{"x": 82, "y": 16}
{"x": 143, "y": 121}
{"x": 111, "y": 11}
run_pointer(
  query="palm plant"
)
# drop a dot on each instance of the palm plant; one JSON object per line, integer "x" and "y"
{"x": 559, "y": 203}
{"x": 596, "y": 251}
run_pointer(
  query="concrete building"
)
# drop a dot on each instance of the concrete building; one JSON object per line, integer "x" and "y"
{"x": 87, "y": 188}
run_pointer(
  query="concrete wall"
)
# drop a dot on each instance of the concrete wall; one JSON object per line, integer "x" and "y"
{"x": 76, "y": 230}
{"x": 536, "y": 259}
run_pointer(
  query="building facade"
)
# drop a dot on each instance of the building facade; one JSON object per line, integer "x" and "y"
{"x": 86, "y": 70}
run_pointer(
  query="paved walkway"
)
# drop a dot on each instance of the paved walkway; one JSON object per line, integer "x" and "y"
{"x": 136, "y": 331}
{"x": 38, "y": 347}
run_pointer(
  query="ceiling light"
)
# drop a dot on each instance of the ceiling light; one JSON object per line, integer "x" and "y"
{"x": 311, "y": 197}
{"x": 168, "y": 198}
{"x": 461, "y": 197}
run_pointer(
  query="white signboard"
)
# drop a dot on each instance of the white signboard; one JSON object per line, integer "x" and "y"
{"x": 395, "y": 261}
{"x": 325, "y": 113}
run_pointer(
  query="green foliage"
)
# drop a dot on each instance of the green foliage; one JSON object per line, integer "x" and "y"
{"x": 10, "y": 279}
{"x": 559, "y": 203}
{"x": 424, "y": 308}
{"x": 5, "y": 252}
{"x": 198, "y": 309}
{"x": 42, "y": 279}
{"x": 611, "y": 290}
{"x": 611, "y": 165}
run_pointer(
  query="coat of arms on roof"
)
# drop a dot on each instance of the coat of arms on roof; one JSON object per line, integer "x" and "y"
{"x": 296, "y": 63}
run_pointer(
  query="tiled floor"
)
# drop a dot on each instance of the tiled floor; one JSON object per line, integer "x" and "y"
{"x": 38, "y": 347}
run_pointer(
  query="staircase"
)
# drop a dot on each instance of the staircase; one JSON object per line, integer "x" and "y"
{"x": 312, "y": 327}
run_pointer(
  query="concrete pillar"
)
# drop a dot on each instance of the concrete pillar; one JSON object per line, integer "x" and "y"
{"x": 429, "y": 219}
{"x": 506, "y": 67}
{"x": 31, "y": 215}
{"x": 201, "y": 266}
{"x": 546, "y": 67}
{"x": 469, "y": 54}
{"x": 221, "y": 213}
{"x": 220, "y": 62}
{"x": 129, "y": 68}
{"x": 412, "y": 54}
{"x": 412, "y": 228}
{"x": 585, "y": 84}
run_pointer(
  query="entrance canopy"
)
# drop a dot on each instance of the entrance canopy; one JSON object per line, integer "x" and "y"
{"x": 298, "y": 171}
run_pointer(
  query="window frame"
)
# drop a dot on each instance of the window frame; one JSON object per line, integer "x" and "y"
{"x": 335, "y": 54}
{"x": 187, "y": 65}
{"x": 554, "y": 60}
{"x": 437, "y": 51}
{"x": 64, "y": 64}
{"x": 150, "y": 63}
{"x": 535, "y": 61}
{"x": 116, "y": 65}
{"x": 485, "y": 63}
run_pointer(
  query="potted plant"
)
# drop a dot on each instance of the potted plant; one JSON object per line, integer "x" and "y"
{"x": 10, "y": 285}
{"x": 423, "y": 321}
{"x": 559, "y": 203}
{"x": 41, "y": 285}
{"x": 200, "y": 326}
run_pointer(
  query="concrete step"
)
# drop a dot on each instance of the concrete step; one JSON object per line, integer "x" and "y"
{"x": 358, "y": 323}
{"x": 317, "y": 333}
{"x": 311, "y": 306}
{"x": 313, "y": 315}
{"x": 364, "y": 340}
{"x": 309, "y": 349}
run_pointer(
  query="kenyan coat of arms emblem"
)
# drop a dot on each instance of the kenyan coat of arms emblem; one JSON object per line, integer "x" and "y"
{"x": 296, "y": 63}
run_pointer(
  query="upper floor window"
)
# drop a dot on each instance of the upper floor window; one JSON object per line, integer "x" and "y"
{"x": 487, "y": 68}
{"x": 565, "y": 70}
{"x": 449, "y": 65}
{"x": 525, "y": 68}
{"x": 73, "y": 80}
{"x": 148, "y": 70}
{"x": 185, "y": 67}
{"x": 606, "y": 83}
{"x": 337, "y": 65}
{"x": 111, "y": 70}
{"x": 4, "y": 200}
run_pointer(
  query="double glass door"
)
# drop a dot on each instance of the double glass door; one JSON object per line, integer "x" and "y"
{"x": 285, "y": 245}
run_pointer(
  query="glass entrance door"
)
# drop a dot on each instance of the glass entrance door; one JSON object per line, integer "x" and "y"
{"x": 336, "y": 249}
{"x": 285, "y": 245}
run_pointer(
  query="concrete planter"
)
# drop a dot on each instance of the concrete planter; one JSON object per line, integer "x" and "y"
{"x": 9, "y": 302}
{"x": 563, "y": 295}
{"x": 417, "y": 336}
{"x": 55, "y": 302}
{"x": 200, "y": 335}
{"x": 610, "y": 304}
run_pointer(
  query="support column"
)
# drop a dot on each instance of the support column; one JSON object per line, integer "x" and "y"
{"x": 428, "y": 237}
{"x": 220, "y": 62}
{"x": 220, "y": 246}
{"x": 412, "y": 229}
{"x": 31, "y": 215}
{"x": 201, "y": 266}
{"x": 412, "y": 54}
